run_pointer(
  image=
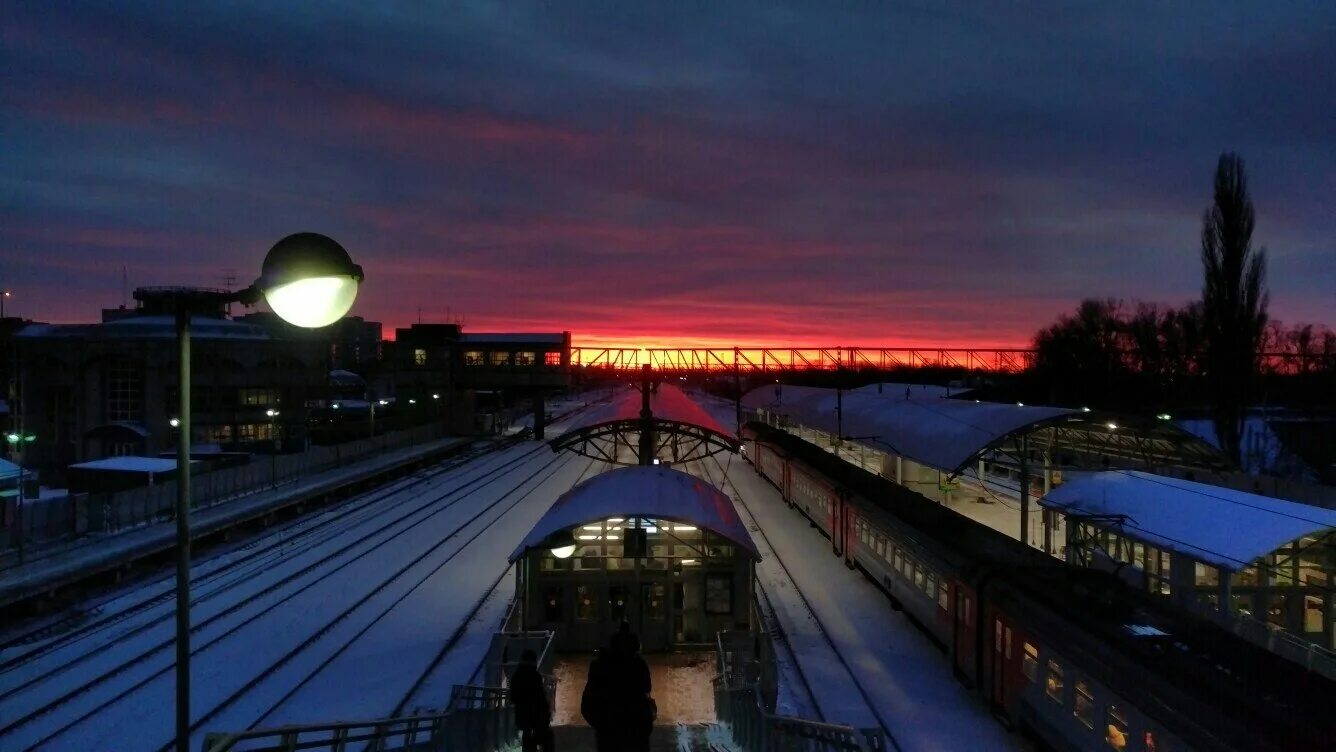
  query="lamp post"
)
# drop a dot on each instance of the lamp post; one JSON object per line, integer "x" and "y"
{"x": 273, "y": 449}
{"x": 4, "y": 294}
{"x": 309, "y": 281}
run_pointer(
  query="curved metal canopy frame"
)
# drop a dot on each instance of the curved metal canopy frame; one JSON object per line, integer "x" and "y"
{"x": 619, "y": 442}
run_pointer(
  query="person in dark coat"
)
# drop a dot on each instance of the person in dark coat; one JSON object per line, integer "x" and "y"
{"x": 616, "y": 700}
{"x": 533, "y": 716}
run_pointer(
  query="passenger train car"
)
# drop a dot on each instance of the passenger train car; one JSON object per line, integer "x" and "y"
{"x": 1069, "y": 655}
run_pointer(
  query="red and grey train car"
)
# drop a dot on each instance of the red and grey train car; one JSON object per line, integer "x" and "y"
{"x": 1070, "y": 655}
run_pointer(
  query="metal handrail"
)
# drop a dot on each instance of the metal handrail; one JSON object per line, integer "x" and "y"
{"x": 479, "y": 719}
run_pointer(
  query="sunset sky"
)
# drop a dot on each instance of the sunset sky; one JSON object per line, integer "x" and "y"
{"x": 870, "y": 173}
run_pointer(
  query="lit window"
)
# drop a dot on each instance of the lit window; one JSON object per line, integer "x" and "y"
{"x": 1030, "y": 662}
{"x": 1008, "y": 642}
{"x": 1083, "y": 706}
{"x": 1053, "y": 683}
{"x": 473, "y": 358}
{"x": 551, "y": 358}
{"x": 419, "y": 357}
{"x": 1115, "y": 731}
{"x": 524, "y": 358}
{"x": 500, "y": 358}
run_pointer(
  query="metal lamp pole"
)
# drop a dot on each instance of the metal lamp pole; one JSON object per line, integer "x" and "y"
{"x": 273, "y": 449}
{"x": 290, "y": 265}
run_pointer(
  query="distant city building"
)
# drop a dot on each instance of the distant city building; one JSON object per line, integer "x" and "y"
{"x": 89, "y": 391}
{"x": 350, "y": 343}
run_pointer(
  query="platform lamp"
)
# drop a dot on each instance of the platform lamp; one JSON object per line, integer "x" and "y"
{"x": 309, "y": 281}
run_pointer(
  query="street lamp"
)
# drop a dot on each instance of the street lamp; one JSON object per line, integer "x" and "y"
{"x": 3, "y": 295}
{"x": 309, "y": 281}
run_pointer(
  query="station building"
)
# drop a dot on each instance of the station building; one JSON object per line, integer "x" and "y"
{"x": 654, "y": 546}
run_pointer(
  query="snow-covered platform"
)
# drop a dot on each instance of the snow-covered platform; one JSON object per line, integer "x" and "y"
{"x": 64, "y": 565}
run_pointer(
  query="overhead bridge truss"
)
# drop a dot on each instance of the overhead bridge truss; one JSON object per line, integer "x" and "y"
{"x": 784, "y": 359}
{"x": 781, "y": 359}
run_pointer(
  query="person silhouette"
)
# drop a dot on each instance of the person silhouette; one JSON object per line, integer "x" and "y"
{"x": 533, "y": 715}
{"x": 616, "y": 699}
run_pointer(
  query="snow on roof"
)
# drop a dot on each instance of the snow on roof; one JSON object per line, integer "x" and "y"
{"x": 556, "y": 338}
{"x": 8, "y": 469}
{"x": 893, "y": 389}
{"x": 147, "y": 327}
{"x": 1216, "y": 525}
{"x": 651, "y": 491}
{"x": 129, "y": 465}
{"x": 667, "y": 402}
{"x": 941, "y": 433}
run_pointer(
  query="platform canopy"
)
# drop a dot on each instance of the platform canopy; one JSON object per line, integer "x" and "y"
{"x": 647, "y": 491}
{"x": 681, "y": 430}
{"x": 1219, "y": 526}
{"x": 948, "y": 434}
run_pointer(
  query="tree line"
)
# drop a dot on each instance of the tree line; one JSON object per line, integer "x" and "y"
{"x": 1221, "y": 353}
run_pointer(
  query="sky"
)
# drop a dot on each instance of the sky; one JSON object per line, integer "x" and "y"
{"x": 920, "y": 173}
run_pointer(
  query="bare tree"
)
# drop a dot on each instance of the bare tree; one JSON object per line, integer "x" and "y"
{"x": 1234, "y": 298}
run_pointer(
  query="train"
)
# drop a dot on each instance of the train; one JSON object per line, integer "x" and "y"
{"x": 1071, "y": 657}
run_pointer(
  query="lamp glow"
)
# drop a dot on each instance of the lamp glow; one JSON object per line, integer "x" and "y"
{"x": 175, "y": 422}
{"x": 314, "y": 302}
{"x": 564, "y": 552}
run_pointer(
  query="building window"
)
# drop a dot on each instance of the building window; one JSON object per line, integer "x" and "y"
{"x": 1083, "y": 706}
{"x": 524, "y": 358}
{"x": 1053, "y": 683}
{"x": 125, "y": 391}
{"x": 1115, "y": 731}
{"x": 257, "y": 397}
{"x": 499, "y": 358}
{"x": 1030, "y": 662}
{"x": 551, "y": 358}
{"x": 419, "y": 357}
{"x": 473, "y": 358}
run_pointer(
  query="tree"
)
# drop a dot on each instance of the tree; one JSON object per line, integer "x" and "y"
{"x": 1081, "y": 356}
{"x": 1234, "y": 299}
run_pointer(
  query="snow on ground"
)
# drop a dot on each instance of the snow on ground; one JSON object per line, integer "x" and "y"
{"x": 906, "y": 675}
{"x": 408, "y": 608}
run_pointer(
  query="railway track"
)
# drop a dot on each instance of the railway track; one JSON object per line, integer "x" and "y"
{"x": 513, "y": 496}
{"x": 750, "y": 520}
{"x": 218, "y": 628}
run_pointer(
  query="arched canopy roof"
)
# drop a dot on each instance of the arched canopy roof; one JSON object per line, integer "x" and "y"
{"x": 678, "y": 424}
{"x": 1220, "y": 526}
{"x": 649, "y": 491}
{"x": 947, "y": 434}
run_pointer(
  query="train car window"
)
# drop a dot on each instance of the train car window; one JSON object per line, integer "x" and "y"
{"x": 943, "y": 596}
{"x": 1008, "y": 641}
{"x": 1148, "y": 743}
{"x": 997, "y": 635}
{"x": 899, "y": 558}
{"x": 1115, "y": 731}
{"x": 1030, "y": 663}
{"x": 1053, "y": 682}
{"x": 1083, "y": 705}
{"x": 931, "y": 586}
{"x": 918, "y": 576}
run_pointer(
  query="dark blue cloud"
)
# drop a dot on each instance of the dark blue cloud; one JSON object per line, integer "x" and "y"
{"x": 869, "y": 173}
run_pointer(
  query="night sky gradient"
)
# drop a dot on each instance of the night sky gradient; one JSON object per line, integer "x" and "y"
{"x": 871, "y": 173}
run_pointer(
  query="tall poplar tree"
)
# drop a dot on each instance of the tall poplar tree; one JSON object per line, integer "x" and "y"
{"x": 1234, "y": 300}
